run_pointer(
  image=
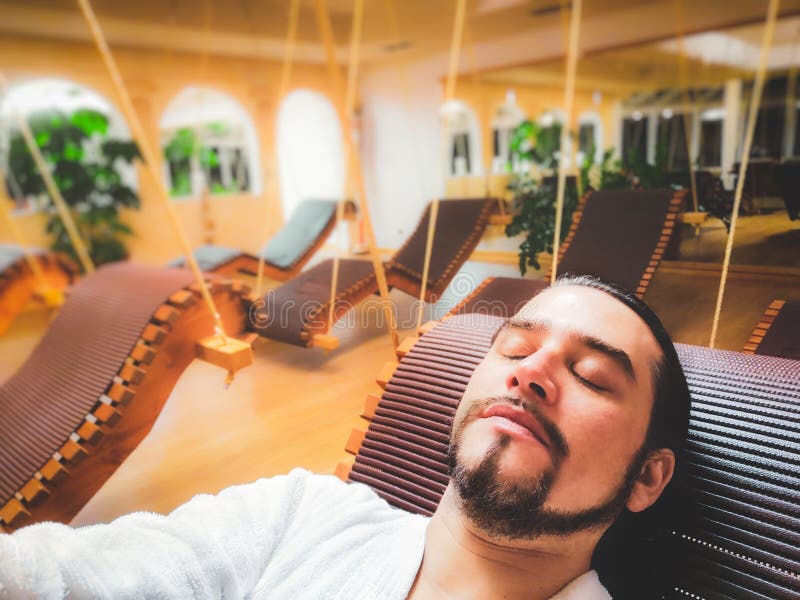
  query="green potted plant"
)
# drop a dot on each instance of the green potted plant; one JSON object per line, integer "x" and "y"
{"x": 85, "y": 164}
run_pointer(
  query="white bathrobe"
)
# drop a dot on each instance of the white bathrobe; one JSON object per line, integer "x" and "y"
{"x": 295, "y": 536}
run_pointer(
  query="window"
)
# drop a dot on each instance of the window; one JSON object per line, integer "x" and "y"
{"x": 590, "y": 141}
{"x": 671, "y": 140}
{"x": 506, "y": 119}
{"x": 64, "y": 101}
{"x": 634, "y": 137}
{"x": 711, "y": 138}
{"x": 209, "y": 144}
{"x": 463, "y": 139}
{"x": 768, "y": 136}
{"x": 310, "y": 150}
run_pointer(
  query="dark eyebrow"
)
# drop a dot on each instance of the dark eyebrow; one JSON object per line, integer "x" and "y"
{"x": 618, "y": 355}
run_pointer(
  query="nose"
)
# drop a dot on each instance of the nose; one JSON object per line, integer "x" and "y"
{"x": 531, "y": 379}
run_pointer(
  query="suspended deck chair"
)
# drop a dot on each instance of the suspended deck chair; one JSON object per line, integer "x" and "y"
{"x": 286, "y": 253}
{"x": 18, "y": 284}
{"x": 300, "y": 309}
{"x": 738, "y": 536}
{"x": 93, "y": 387}
{"x": 778, "y": 331}
{"x": 619, "y": 236}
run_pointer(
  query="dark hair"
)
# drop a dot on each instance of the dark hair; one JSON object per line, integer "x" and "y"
{"x": 634, "y": 557}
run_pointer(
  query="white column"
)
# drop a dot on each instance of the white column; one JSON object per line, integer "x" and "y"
{"x": 652, "y": 134}
{"x": 731, "y": 126}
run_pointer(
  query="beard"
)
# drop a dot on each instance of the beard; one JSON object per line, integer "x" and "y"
{"x": 516, "y": 510}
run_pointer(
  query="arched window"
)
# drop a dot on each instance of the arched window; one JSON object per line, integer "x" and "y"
{"x": 62, "y": 113}
{"x": 310, "y": 150}
{"x": 547, "y": 145}
{"x": 590, "y": 137}
{"x": 463, "y": 139}
{"x": 209, "y": 142}
{"x": 506, "y": 118}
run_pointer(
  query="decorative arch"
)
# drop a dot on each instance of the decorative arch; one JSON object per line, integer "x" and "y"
{"x": 46, "y": 94}
{"x": 209, "y": 141}
{"x": 463, "y": 139}
{"x": 310, "y": 149}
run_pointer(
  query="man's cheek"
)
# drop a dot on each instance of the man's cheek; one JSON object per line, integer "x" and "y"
{"x": 476, "y": 439}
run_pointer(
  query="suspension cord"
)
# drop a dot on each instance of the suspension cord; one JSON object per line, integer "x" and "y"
{"x": 150, "y": 158}
{"x": 752, "y": 114}
{"x": 569, "y": 100}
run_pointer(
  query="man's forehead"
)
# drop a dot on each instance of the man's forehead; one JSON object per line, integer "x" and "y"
{"x": 592, "y": 312}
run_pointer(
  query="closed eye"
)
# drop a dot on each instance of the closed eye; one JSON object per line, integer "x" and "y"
{"x": 587, "y": 382}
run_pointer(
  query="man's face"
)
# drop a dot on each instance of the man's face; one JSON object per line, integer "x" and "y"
{"x": 549, "y": 433}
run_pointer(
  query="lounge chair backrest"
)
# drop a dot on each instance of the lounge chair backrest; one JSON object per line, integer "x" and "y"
{"x": 740, "y": 536}
{"x": 9, "y": 255}
{"x": 778, "y": 331}
{"x": 459, "y": 227}
{"x": 297, "y": 237}
{"x": 621, "y": 235}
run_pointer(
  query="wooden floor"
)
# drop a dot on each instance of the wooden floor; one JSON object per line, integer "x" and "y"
{"x": 296, "y": 407}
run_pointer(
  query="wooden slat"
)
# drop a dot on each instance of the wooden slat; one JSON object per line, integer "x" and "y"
{"x": 386, "y": 373}
{"x": 53, "y": 471}
{"x": 406, "y": 345}
{"x": 166, "y": 314}
{"x": 120, "y": 393}
{"x": 34, "y": 491}
{"x": 13, "y": 513}
{"x": 89, "y": 432}
{"x": 153, "y": 334}
{"x": 142, "y": 353}
{"x": 182, "y": 299}
{"x": 107, "y": 414}
{"x": 355, "y": 440}
{"x": 370, "y": 406}
{"x": 132, "y": 374}
{"x": 72, "y": 452}
{"x": 343, "y": 469}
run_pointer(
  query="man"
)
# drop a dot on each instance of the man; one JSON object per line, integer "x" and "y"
{"x": 578, "y": 412}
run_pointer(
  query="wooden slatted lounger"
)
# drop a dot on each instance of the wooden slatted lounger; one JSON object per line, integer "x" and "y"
{"x": 778, "y": 331}
{"x": 93, "y": 387}
{"x": 298, "y": 310}
{"x": 18, "y": 284}
{"x": 619, "y": 236}
{"x": 286, "y": 253}
{"x": 739, "y": 534}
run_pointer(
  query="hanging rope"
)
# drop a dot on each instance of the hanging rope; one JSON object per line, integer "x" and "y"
{"x": 349, "y": 107}
{"x": 326, "y": 33}
{"x": 150, "y": 158}
{"x": 55, "y": 194}
{"x": 17, "y": 234}
{"x": 569, "y": 100}
{"x": 752, "y": 115}
{"x": 286, "y": 76}
{"x": 683, "y": 84}
{"x": 449, "y": 95}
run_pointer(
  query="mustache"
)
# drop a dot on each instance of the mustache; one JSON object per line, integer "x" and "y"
{"x": 560, "y": 448}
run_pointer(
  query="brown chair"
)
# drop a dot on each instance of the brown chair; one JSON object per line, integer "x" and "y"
{"x": 735, "y": 534}
{"x": 18, "y": 284}
{"x": 286, "y": 253}
{"x": 619, "y": 236}
{"x": 778, "y": 331}
{"x": 300, "y": 309}
{"x": 93, "y": 387}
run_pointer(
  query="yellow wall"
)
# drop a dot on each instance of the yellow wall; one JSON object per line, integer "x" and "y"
{"x": 153, "y": 79}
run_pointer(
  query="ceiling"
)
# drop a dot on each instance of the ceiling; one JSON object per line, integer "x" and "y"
{"x": 498, "y": 32}
{"x": 709, "y": 59}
